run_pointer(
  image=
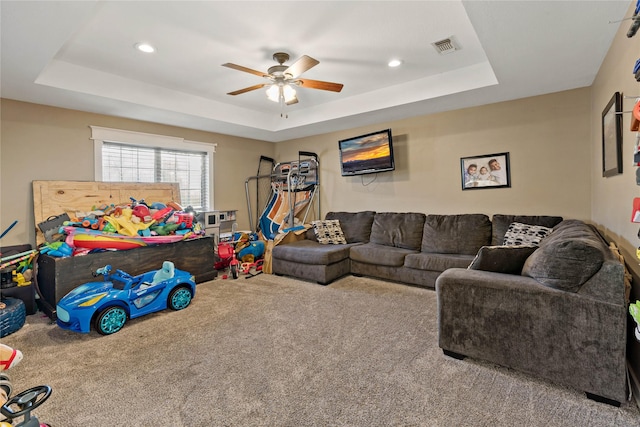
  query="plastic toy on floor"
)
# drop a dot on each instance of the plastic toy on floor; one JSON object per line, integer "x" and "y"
{"x": 108, "y": 304}
{"x": 22, "y": 404}
{"x": 634, "y": 310}
{"x": 9, "y": 357}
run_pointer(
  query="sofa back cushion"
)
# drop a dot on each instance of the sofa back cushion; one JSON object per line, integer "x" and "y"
{"x": 401, "y": 230}
{"x": 500, "y": 224}
{"x": 568, "y": 257}
{"x": 502, "y": 259}
{"x": 356, "y": 226}
{"x": 456, "y": 234}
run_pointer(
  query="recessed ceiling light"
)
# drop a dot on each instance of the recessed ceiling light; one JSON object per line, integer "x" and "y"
{"x": 394, "y": 63}
{"x": 145, "y": 47}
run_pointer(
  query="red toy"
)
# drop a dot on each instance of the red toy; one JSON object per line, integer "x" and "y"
{"x": 227, "y": 255}
{"x": 184, "y": 218}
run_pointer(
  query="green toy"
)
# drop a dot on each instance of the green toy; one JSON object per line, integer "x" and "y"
{"x": 634, "y": 310}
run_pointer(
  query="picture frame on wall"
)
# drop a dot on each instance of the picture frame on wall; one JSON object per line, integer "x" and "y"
{"x": 612, "y": 136}
{"x": 485, "y": 171}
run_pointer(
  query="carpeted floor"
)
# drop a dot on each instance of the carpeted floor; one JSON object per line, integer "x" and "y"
{"x": 273, "y": 351}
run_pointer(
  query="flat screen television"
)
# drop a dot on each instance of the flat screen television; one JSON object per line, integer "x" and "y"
{"x": 368, "y": 153}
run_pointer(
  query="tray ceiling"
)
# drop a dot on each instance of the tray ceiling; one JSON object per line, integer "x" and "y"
{"x": 85, "y": 59}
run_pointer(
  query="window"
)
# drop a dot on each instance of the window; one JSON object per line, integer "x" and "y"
{"x": 124, "y": 156}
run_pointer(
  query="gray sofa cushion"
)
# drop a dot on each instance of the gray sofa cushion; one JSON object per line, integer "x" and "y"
{"x": 502, "y": 259}
{"x": 436, "y": 262}
{"x": 310, "y": 252}
{"x": 500, "y": 224}
{"x": 356, "y": 226}
{"x": 401, "y": 230}
{"x": 568, "y": 257}
{"x": 456, "y": 234}
{"x": 372, "y": 253}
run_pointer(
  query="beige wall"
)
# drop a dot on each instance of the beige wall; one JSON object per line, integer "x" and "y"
{"x": 612, "y": 197}
{"x": 45, "y": 143}
{"x": 547, "y": 137}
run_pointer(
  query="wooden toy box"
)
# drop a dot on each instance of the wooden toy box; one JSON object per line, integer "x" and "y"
{"x": 57, "y": 276}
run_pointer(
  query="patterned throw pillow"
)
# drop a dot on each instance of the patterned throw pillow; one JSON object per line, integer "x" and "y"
{"x": 519, "y": 234}
{"x": 329, "y": 232}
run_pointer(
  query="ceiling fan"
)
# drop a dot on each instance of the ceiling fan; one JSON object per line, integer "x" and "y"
{"x": 283, "y": 77}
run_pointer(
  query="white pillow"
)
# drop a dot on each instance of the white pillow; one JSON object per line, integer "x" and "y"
{"x": 519, "y": 234}
{"x": 328, "y": 231}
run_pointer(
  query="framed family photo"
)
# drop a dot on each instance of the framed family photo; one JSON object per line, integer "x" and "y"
{"x": 486, "y": 171}
{"x": 612, "y": 136}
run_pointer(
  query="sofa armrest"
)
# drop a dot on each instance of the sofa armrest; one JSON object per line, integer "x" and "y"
{"x": 516, "y": 322}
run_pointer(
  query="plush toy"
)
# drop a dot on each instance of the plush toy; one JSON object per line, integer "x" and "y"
{"x": 243, "y": 241}
{"x": 252, "y": 251}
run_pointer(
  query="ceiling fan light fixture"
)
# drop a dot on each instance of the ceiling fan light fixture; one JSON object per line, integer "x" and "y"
{"x": 276, "y": 92}
{"x": 395, "y": 63}
{"x": 288, "y": 93}
{"x": 273, "y": 93}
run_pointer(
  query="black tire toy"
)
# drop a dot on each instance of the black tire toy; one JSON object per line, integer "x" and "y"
{"x": 12, "y": 317}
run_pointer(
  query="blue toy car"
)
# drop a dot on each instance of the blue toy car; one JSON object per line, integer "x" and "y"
{"x": 120, "y": 296}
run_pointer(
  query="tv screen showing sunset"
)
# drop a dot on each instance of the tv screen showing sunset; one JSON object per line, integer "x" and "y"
{"x": 366, "y": 152}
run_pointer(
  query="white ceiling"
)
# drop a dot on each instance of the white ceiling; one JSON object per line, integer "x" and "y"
{"x": 81, "y": 55}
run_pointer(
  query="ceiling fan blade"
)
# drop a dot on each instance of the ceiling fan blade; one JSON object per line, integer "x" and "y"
{"x": 247, "y": 89}
{"x": 301, "y": 65}
{"x": 318, "y": 84}
{"x": 245, "y": 69}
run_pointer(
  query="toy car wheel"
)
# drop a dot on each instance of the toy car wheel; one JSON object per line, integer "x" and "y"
{"x": 234, "y": 271}
{"x": 179, "y": 298}
{"x": 111, "y": 320}
{"x": 12, "y": 317}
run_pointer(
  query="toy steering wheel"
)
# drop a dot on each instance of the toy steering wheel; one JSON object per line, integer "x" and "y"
{"x": 27, "y": 401}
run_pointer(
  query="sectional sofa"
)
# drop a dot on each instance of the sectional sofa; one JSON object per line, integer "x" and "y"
{"x": 406, "y": 247}
{"x": 554, "y": 307}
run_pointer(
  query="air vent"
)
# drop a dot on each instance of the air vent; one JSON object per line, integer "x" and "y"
{"x": 445, "y": 46}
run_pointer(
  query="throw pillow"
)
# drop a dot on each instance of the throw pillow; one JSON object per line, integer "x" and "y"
{"x": 502, "y": 259}
{"x": 519, "y": 234}
{"x": 328, "y": 231}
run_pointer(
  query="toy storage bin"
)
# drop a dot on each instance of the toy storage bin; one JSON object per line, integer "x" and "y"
{"x": 25, "y": 293}
{"x": 58, "y": 276}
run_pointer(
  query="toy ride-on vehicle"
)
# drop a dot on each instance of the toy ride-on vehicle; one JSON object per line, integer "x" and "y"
{"x": 227, "y": 258}
{"x": 22, "y": 404}
{"x": 108, "y": 304}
